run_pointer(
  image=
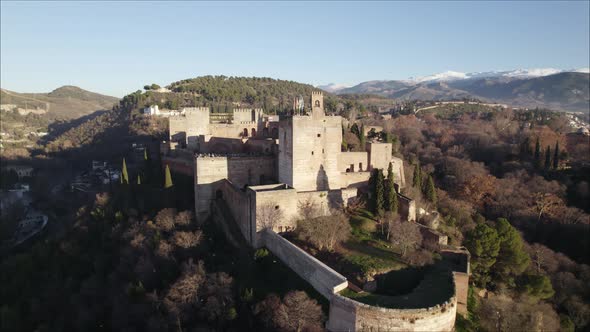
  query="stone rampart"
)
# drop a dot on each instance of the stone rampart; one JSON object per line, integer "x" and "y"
{"x": 350, "y": 315}
{"x": 324, "y": 279}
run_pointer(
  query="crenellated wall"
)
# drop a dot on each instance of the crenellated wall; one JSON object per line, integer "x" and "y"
{"x": 350, "y": 315}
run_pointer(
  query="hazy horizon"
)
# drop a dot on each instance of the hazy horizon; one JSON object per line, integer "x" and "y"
{"x": 116, "y": 48}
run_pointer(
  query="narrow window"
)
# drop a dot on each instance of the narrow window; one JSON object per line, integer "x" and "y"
{"x": 360, "y": 167}
{"x": 319, "y": 135}
{"x": 312, "y": 153}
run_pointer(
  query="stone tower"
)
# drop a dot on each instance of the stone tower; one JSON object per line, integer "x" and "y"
{"x": 317, "y": 104}
{"x": 308, "y": 149}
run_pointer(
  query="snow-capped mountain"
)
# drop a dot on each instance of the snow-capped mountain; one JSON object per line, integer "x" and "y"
{"x": 448, "y": 76}
{"x": 333, "y": 87}
{"x": 542, "y": 87}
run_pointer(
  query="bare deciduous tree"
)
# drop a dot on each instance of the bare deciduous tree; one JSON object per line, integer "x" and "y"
{"x": 325, "y": 232}
{"x": 296, "y": 312}
{"x": 187, "y": 239}
{"x": 405, "y": 234}
{"x": 308, "y": 208}
{"x": 165, "y": 219}
{"x": 183, "y": 218}
{"x": 268, "y": 216}
{"x": 182, "y": 294}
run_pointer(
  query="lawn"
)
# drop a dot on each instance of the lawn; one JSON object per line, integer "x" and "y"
{"x": 366, "y": 251}
{"x": 435, "y": 288}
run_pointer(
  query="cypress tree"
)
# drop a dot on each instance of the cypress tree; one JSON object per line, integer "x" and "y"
{"x": 138, "y": 179}
{"x": 548, "y": 157}
{"x": 379, "y": 193}
{"x": 362, "y": 137}
{"x": 147, "y": 167}
{"x": 556, "y": 156}
{"x": 124, "y": 174}
{"x": 417, "y": 180}
{"x": 168, "y": 178}
{"x": 430, "y": 190}
{"x": 537, "y": 154}
{"x": 391, "y": 203}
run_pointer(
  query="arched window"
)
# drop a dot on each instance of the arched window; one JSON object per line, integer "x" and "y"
{"x": 274, "y": 133}
{"x": 253, "y": 116}
{"x": 317, "y": 103}
{"x": 245, "y": 133}
{"x": 253, "y": 132}
{"x": 265, "y": 132}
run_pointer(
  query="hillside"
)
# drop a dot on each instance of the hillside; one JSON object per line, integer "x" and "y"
{"x": 256, "y": 91}
{"x": 64, "y": 103}
{"x": 562, "y": 91}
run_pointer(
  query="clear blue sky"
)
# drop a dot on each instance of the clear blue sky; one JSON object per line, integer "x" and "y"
{"x": 116, "y": 48}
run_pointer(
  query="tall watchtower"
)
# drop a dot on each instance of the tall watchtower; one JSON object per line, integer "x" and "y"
{"x": 317, "y": 104}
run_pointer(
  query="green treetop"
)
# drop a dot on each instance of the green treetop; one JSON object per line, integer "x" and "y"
{"x": 417, "y": 179}
{"x": 391, "y": 204}
{"x": 430, "y": 190}
{"x": 168, "y": 178}
{"x": 124, "y": 174}
{"x": 379, "y": 192}
{"x": 484, "y": 245}
{"x": 362, "y": 137}
{"x": 512, "y": 259}
{"x": 548, "y": 157}
{"x": 538, "y": 153}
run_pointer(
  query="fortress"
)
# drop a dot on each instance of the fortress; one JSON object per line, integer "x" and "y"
{"x": 264, "y": 169}
{"x": 254, "y": 160}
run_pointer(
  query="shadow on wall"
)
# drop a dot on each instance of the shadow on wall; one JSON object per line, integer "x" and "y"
{"x": 322, "y": 180}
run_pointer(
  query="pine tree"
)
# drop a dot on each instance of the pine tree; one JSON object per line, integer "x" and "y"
{"x": 138, "y": 179}
{"x": 548, "y": 158}
{"x": 391, "y": 203}
{"x": 483, "y": 243}
{"x": 379, "y": 193}
{"x": 168, "y": 178}
{"x": 512, "y": 259}
{"x": 556, "y": 156}
{"x": 417, "y": 180}
{"x": 124, "y": 174}
{"x": 430, "y": 191}
{"x": 537, "y": 154}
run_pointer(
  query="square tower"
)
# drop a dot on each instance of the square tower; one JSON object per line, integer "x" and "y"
{"x": 317, "y": 104}
{"x": 308, "y": 149}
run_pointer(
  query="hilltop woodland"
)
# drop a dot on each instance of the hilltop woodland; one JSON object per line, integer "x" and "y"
{"x": 510, "y": 186}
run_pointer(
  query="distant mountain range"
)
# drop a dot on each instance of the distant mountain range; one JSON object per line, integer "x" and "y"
{"x": 547, "y": 87}
{"x": 66, "y": 102}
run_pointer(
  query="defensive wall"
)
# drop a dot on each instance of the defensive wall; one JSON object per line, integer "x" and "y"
{"x": 323, "y": 278}
{"x": 346, "y": 314}
{"x": 349, "y": 315}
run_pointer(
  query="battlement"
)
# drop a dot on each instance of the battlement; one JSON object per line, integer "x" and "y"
{"x": 317, "y": 93}
{"x": 247, "y": 110}
{"x": 195, "y": 110}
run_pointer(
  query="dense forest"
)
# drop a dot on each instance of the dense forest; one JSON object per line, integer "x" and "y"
{"x": 519, "y": 169}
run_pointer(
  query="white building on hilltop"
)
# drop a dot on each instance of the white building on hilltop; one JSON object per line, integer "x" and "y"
{"x": 152, "y": 110}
